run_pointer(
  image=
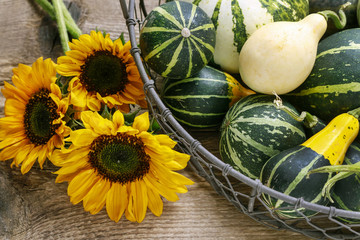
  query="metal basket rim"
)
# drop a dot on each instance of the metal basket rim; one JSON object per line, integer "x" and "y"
{"x": 129, "y": 15}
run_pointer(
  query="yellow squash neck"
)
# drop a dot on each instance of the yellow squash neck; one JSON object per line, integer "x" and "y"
{"x": 333, "y": 141}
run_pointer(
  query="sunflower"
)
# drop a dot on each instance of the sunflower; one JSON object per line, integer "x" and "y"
{"x": 126, "y": 168}
{"x": 34, "y": 109}
{"x": 103, "y": 71}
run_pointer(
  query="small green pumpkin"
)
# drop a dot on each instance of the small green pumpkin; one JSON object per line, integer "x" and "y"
{"x": 177, "y": 39}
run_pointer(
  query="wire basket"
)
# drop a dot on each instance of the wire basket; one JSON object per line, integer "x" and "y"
{"x": 244, "y": 193}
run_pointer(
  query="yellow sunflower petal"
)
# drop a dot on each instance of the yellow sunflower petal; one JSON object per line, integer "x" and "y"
{"x": 78, "y": 97}
{"x": 43, "y": 152}
{"x": 11, "y": 121}
{"x": 7, "y": 131}
{"x": 118, "y": 120}
{"x": 94, "y": 201}
{"x": 20, "y": 73}
{"x": 129, "y": 211}
{"x": 109, "y": 45}
{"x": 55, "y": 90}
{"x": 140, "y": 200}
{"x": 9, "y": 91}
{"x": 81, "y": 185}
{"x": 74, "y": 167}
{"x": 87, "y": 42}
{"x": 37, "y": 75}
{"x": 165, "y": 158}
{"x": 82, "y": 137}
{"x": 44, "y": 71}
{"x": 142, "y": 122}
{"x": 128, "y": 130}
{"x": 163, "y": 190}
{"x": 23, "y": 154}
{"x": 77, "y": 56}
{"x": 68, "y": 177}
{"x": 165, "y": 140}
{"x": 116, "y": 201}
{"x": 14, "y": 107}
{"x": 96, "y": 41}
{"x": 76, "y": 44}
{"x": 16, "y": 137}
{"x": 170, "y": 178}
{"x": 64, "y": 157}
{"x": 11, "y": 151}
{"x": 92, "y": 102}
{"x": 93, "y": 120}
{"x": 27, "y": 164}
{"x": 68, "y": 69}
{"x": 155, "y": 203}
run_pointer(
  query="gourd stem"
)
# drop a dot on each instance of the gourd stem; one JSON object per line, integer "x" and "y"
{"x": 352, "y": 168}
{"x": 344, "y": 172}
{"x": 339, "y": 20}
{"x": 355, "y": 112}
{"x": 308, "y": 119}
{"x": 326, "y": 191}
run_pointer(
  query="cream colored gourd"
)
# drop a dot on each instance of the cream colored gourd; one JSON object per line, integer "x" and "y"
{"x": 279, "y": 56}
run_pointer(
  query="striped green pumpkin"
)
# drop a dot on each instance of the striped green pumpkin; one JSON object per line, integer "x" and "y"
{"x": 202, "y": 100}
{"x": 254, "y": 130}
{"x": 236, "y": 20}
{"x": 287, "y": 172}
{"x": 177, "y": 39}
{"x": 333, "y": 86}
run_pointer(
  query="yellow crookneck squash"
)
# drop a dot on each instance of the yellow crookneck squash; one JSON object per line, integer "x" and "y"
{"x": 333, "y": 141}
{"x": 288, "y": 171}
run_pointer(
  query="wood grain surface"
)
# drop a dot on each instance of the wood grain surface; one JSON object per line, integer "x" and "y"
{"x": 32, "y": 206}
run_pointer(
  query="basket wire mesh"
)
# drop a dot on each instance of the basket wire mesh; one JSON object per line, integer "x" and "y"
{"x": 244, "y": 193}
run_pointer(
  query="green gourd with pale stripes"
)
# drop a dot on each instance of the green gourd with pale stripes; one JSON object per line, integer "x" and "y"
{"x": 346, "y": 193}
{"x": 177, "y": 39}
{"x": 333, "y": 86}
{"x": 236, "y": 20}
{"x": 202, "y": 100}
{"x": 254, "y": 130}
{"x": 288, "y": 171}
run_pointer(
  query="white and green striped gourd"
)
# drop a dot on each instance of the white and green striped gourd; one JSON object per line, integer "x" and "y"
{"x": 236, "y": 20}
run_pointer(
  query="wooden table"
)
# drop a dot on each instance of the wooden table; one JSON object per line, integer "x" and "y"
{"x": 32, "y": 206}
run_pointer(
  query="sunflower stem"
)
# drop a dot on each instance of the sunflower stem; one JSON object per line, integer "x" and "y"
{"x": 71, "y": 26}
{"x": 60, "y": 20}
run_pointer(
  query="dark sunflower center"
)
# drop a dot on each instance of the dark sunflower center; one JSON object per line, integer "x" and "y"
{"x": 104, "y": 73}
{"x": 40, "y": 112}
{"x": 119, "y": 158}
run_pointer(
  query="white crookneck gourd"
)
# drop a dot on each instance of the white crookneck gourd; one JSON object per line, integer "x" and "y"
{"x": 279, "y": 56}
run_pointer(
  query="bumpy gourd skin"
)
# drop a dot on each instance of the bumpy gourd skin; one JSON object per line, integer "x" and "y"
{"x": 333, "y": 141}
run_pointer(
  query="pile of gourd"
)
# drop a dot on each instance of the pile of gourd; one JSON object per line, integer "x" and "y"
{"x": 282, "y": 85}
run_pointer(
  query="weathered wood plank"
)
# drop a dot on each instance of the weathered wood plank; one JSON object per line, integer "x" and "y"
{"x": 34, "y": 207}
